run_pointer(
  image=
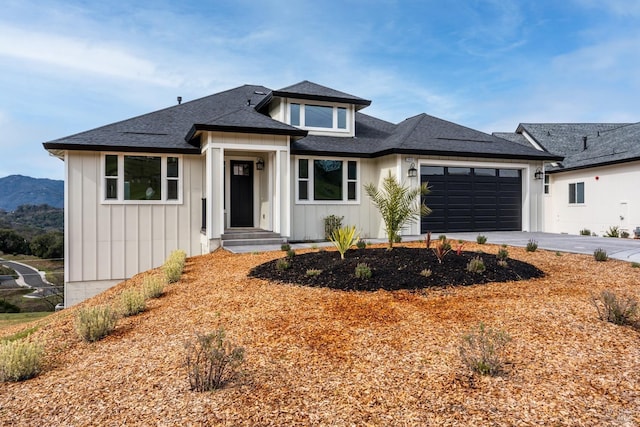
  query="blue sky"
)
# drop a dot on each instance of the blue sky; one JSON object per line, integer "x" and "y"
{"x": 70, "y": 66}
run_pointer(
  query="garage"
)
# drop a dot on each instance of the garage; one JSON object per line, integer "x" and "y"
{"x": 472, "y": 199}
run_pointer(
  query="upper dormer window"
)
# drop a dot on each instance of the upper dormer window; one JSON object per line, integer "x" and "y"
{"x": 318, "y": 116}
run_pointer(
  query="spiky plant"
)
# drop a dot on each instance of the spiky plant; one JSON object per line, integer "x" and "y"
{"x": 397, "y": 204}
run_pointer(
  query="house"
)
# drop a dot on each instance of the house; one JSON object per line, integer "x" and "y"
{"x": 253, "y": 162}
{"x": 595, "y": 186}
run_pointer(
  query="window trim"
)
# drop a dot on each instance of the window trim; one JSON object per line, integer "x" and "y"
{"x": 334, "y": 117}
{"x": 311, "y": 177}
{"x": 576, "y": 201}
{"x": 120, "y": 177}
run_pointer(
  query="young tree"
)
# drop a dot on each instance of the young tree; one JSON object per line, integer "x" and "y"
{"x": 397, "y": 204}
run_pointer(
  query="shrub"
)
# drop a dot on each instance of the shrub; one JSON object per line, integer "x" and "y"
{"x": 614, "y": 309}
{"x": 481, "y": 240}
{"x": 624, "y": 234}
{"x": 441, "y": 248}
{"x": 613, "y": 231}
{"x": 132, "y": 302}
{"x": 502, "y": 263}
{"x": 363, "y": 271}
{"x": 585, "y": 232}
{"x": 7, "y": 307}
{"x": 282, "y": 264}
{"x": 482, "y": 350}
{"x": 95, "y": 323}
{"x": 153, "y": 287}
{"x": 285, "y": 247}
{"x": 20, "y": 360}
{"x": 174, "y": 265}
{"x": 331, "y": 224}
{"x": 558, "y": 253}
{"x": 426, "y": 272}
{"x": 532, "y": 245}
{"x": 361, "y": 244}
{"x": 459, "y": 247}
{"x": 397, "y": 205}
{"x": 212, "y": 361}
{"x": 635, "y": 265}
{"x": 312, "y": 272}
{"x": 343, "y": 238}
{"x": 476, "y": 265}
{"x": 291, "y": 253}
{"x": 502, "y": 255}
{"x": 600, "y": 255}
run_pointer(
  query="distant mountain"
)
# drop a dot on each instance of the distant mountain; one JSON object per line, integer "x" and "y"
{"x": 17, "y": 190}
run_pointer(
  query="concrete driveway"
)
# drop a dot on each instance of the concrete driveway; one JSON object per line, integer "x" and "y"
{"x": 623, "y": 249}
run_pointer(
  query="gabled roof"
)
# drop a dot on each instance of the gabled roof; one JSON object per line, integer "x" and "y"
{"x": 170, "y": 130}
{"x": 606, "y": 143}
{"x": 315, "y": 92}
{"x": 420, "y": 135}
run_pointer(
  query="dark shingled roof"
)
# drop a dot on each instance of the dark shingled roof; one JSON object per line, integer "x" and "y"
{"x": 607, "y": 143}
{"x": 518, "y": 138}
{"x": 172, "y": 129}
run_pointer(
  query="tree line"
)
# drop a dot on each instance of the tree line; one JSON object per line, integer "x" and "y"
{"x": 33, "y": 230}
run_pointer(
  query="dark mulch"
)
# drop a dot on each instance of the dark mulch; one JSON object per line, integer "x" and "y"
{"x": 399, "y": 268}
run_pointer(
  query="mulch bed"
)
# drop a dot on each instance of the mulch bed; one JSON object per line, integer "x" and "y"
{"x": 399, "y": 268}
{"x": 320, "y": 356}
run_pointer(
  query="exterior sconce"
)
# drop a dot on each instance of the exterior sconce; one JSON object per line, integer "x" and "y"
{"x": 412, "y": 172}
{"x": 260, "y": 164}
{"x": 538, "y": 175}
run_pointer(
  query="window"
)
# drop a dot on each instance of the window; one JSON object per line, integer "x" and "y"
{"x": 318, "y": 116}
{"x": 509, "y": 173}
{"x": 459, "y": 171}
{"x": 325, "y": 180}
{"x": 576, "y": 193}
{"x": 431, "y": 170}
{"x": 546, "y": 184}
{"x": 141, "y": 178}
{"x": 484, "y": 172}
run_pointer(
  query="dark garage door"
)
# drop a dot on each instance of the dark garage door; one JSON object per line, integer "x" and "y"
{"x": 472, "y": 199}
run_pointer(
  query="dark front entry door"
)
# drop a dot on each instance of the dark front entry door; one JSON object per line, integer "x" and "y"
{"x": 241, "y": 193}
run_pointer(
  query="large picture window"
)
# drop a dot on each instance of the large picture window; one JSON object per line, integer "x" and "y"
{"x": 318, "y": 116}
{"x": 141, "y": 178}
{"x": 576, "y": 193}
{"x": 327, "y": 180}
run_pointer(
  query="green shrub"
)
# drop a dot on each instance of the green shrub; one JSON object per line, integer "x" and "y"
{"x": 331, "y": 224}
{"x": 291, "y": 253}
{"x": 613, "y": 231}
{"x": 558, "y": 253}
{"x": 476, "y": 265}
{"x": 282, "y": 264}
{"x": 132, "y": 302}
{"x": 312, "y": 272}
{"x": 532, "y": 245}
{"x": 585, "y": 232}
{"x": 600, "y": 255}
{"x": 482, "y": 350}
{"x": 20, "y": 360}
{"x": 174, "y": 265}
{"x": 212, "y": 361}
{"x": 426, "y": 272}
{"x": 502, "y": 255}
{"x": 285, "y": 247}
{"x": 363, "y": 271}
{"x": 95, "y": 323}
{"x": 7, "y": 307}
{"x": 481, "y": 240}
{"x": 153, "y": 287}
{"x": 635, "y": 265}
{"x": 343, "y": 238}
{"x": 614, "y": 309}
{"x": 361, "y": 244}
{"x": 441, "y": 248}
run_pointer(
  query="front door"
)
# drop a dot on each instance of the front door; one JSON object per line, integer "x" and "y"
{"x": 241, "y": 193}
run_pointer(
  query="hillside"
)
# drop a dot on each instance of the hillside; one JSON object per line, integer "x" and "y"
{"x": 17, "y": 190}
{"x": 316, "y": 356}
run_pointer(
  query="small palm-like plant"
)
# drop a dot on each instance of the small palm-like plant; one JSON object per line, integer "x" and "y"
{"x": 343, "y": 238}
{"x": 397, "y": 204}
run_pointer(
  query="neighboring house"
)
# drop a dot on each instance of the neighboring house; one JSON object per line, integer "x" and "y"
{"x": 252, "y": 162}
{"x": 595, "y": 187}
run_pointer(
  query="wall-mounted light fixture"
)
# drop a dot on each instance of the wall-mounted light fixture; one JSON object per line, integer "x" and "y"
{"x": 538, "y": 175}
{"x": 260, "y": 164}
{"x": 412, "y": 172}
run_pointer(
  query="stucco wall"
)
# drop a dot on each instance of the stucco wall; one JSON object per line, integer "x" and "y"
{"x": 107, "y": 243}
{"x": 610, "y": 199}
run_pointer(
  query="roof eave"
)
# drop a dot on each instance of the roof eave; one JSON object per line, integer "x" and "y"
{"x": 596, "y": 165}
{"x": 54, "y": 147}
{"x": 244, "y": 129}
{"x": 311, "y": 97}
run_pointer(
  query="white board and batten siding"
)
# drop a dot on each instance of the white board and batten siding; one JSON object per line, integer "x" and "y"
{"x": 108, "y": 243}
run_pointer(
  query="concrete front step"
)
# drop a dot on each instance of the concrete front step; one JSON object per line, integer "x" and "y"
{"x": 249, "y": 234}
{"x": 254, "y": 242}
